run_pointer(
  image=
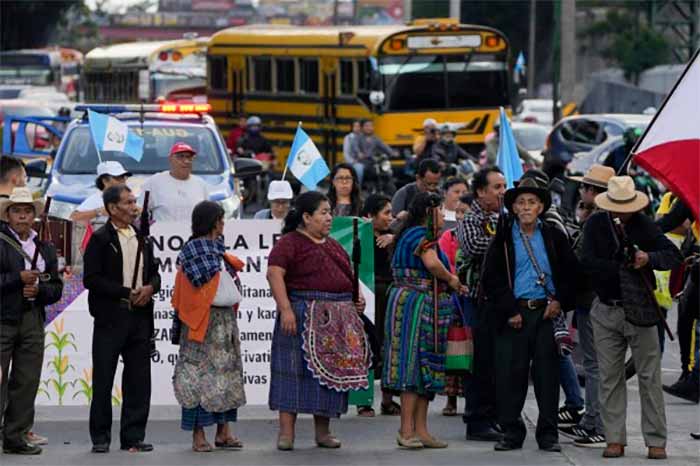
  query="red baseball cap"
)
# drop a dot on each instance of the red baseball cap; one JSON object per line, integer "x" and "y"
{"x": 181, "y": 147}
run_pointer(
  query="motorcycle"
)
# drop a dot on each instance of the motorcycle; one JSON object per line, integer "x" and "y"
{"x": 379, "y": 176}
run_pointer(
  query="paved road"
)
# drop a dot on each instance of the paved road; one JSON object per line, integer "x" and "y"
{"x": 365, "y": 441}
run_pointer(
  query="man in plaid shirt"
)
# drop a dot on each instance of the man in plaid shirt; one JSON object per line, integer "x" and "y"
{"x": 474, "y": 234}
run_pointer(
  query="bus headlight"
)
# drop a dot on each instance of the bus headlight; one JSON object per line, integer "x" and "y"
{"x": 231, "y": 206}
{"x": 61, "y": 209}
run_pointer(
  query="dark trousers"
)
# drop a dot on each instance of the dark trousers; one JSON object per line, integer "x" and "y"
{"x": 686, "y": 316}
{"x": 480, "y": 385}
{"x": 516, "y": 351}
{"x": 126, "y": 335}
{"x": 22, "y": 344}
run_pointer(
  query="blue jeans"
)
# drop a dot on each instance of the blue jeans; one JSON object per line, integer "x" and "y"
{"x": 360, "y": 170}
{"x": 569, "y": 383}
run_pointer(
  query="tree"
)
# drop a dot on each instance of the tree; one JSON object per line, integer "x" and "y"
{"x": 629, "y": 42}
{"x": 78, "y": 27}
{"x": 29, "y": 23}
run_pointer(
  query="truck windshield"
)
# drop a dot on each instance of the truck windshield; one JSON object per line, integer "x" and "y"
{"x": 80, "y": 156}
{"x": 434, "y": 82}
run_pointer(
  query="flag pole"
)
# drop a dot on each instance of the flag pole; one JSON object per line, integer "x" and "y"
{"x": 286, "y": 165}
{"x": 97, "y": 149}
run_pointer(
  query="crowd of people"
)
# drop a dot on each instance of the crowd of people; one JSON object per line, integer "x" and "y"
{"x": 449, "y": 252}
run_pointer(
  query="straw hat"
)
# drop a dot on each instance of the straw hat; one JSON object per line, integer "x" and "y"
{"x": 527, "y": 185}
{"x": 598, "y": 175}
{"x": 621, "y": 197}
{"x": 20, "y": 196}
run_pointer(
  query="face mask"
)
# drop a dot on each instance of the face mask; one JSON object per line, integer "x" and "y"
{"x": 253, "y": 130}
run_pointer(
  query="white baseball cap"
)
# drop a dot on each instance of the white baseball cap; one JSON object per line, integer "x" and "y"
{"x": 279, "y": 190}
{"x": 111, "y": 168}
{"x": 429, "y": 123}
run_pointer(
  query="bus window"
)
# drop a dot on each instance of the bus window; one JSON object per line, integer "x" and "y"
{"x": 308, "y": 75}
{"x": 262, "y": 74}
{"x": 285, "y": 75}
{"x": 363, "y": 75}
{"x": 347, "y": 77}
{"x": 218, "y": 79}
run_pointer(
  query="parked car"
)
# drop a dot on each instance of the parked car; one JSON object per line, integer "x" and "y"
{"x": 581, "y": 133}
{"x": 535, "y": 111}
{"x": 582, "y": 161}
{"x": 532, "y": 137}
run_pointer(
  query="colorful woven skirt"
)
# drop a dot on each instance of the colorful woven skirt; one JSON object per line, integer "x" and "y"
{"x": 412, "y": 362}
{"x": 293, "y": 387}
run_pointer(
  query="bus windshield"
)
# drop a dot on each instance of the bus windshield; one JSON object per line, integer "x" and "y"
{"x": 40, "y": 76}
{"x": 434, "y": 82}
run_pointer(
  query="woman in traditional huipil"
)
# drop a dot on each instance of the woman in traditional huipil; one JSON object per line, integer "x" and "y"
{"x": 208, "y": 380}
{"x": 319, "y": 347}
{"x": 416, "y": 334}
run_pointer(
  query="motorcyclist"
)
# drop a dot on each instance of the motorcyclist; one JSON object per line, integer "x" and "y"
{"x": 253, "y": 142}
{"x": 446, "y": 150}
{"x": 366, "y": 145}
{"x": 423, "y": 144}
{"x": 617, "y": 158}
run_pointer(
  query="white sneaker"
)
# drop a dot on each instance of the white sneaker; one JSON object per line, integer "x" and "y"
{"x": 36, "y": 439}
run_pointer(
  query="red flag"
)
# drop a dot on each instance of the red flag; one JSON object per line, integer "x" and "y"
{"x": 86, "y": 238}
{"x": 670, "y": 147}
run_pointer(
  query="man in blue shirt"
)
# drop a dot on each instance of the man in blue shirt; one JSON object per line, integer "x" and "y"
{"x": 528, "y": 280}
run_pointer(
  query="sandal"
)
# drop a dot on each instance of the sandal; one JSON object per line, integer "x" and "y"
{"x": 365, "y": 411}
{"x": 202, "y": 448}
{"x": 231, "y": 443}
{"x": 449, "y": 411}
{"x": 391, "y": 409}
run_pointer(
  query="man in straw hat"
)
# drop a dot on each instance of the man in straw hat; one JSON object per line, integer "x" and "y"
{"x": 27, "y": 285}
{"x": 587, "y": 430}
{"x": 621, "y": 248}
{"x": 529, "y": 278}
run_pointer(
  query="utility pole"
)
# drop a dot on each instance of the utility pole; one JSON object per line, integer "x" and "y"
{"x": 531, "y": 50}
{"x": 568, "y": 51}
{"x": 556, "y": 61}
{"x": 455, "y": 9}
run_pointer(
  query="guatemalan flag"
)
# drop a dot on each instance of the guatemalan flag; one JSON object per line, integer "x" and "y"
{"x": 508, "y": 159}
{"x": 670, "y": 148}
{"x": 305, "y": 161}
{"x": 111, "y": 134}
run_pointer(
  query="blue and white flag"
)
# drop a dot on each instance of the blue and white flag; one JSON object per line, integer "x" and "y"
{"x": 508, "y": 159}
{"x": 305, "y": 161}
{"x": 520, "y": 63}
{"x": 110, "y": 134}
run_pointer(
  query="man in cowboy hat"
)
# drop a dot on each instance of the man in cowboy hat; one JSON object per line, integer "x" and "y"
{"x": 623, "y": 246}
{"x": 24, "y": 292}
{"x": 587, "y": 429}
{"x": 529, "y": 278}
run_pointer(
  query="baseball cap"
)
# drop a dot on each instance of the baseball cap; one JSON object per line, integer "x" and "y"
{"x": 254, "y": 121}
{"x": 181, "y": 147}
{"x": 111, "y": 168}
{"x": 279, "y": 190}
{"x": 429, "y": 123}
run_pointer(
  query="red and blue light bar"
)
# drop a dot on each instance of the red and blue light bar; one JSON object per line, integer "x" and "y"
{"x": 165, "y": 107}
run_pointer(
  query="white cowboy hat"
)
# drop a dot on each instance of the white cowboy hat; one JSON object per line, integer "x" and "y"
{"x": 20, "y": 196}
{"x": 621, "y": 197}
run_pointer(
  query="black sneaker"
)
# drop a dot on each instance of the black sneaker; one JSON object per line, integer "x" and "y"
{"x": 591, "y": 440}
{"x": 686, "y": 389}
{"x": 569, "y": 416}
{"x": 573, "y": 432}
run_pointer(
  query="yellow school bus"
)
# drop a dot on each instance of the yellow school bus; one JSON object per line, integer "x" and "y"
{"x": 136, "y": 72}
{"x": 326, "y": 77}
